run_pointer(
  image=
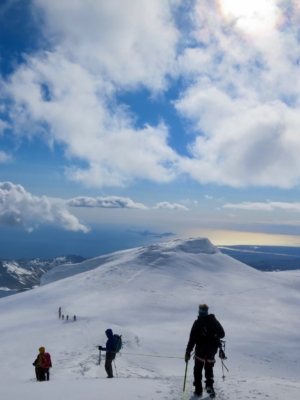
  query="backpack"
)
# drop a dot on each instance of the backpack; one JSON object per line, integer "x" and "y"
{"x": 117, "y": 343}
{"x": 46, "y": 361}
{"x": 210, "y": 333}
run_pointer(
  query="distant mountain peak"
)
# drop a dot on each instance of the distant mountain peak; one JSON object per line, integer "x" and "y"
{"x": 151, "y": 256}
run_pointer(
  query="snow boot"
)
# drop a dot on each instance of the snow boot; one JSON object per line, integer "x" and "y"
{"x": 210, "y": 390}
{"x": 198, "y": 393}
{"x": 198, "y": 390}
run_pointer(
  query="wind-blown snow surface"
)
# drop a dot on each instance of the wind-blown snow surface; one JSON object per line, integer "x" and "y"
{"x": 150, "y": 295}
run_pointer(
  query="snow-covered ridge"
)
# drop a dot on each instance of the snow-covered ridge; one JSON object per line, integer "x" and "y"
{"x": 150, "y": 254}
{"x": 194, "y": 246}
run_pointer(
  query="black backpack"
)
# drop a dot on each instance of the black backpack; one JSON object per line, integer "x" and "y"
{"x": 210, "y": 334}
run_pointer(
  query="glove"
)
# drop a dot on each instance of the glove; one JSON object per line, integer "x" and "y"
{"x": 187, "y": 356}
{"x": 222, "y": 355}
{"x": 100, "y": 347}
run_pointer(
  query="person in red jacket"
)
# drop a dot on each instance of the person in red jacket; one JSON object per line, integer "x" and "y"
{"x": 42, "y": 365}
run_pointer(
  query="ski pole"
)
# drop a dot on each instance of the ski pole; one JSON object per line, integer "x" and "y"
{"x": 223, "y": 370}
{"x": 185, "y": 379}
{"x": 99, "y": 357}
{"x": 223, "y": 365}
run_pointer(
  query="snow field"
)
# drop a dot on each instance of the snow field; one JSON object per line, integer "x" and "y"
{"x": 150, "y": 295}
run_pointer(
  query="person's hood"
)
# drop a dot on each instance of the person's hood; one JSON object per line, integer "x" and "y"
{"x": 109, "y": 333}
{"x": 42, "y": 350}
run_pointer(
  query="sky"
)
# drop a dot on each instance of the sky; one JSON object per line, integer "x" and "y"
{"x": 168, "y": 115}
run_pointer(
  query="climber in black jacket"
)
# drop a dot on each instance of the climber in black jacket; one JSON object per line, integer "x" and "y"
{"x": 205, "y": 334}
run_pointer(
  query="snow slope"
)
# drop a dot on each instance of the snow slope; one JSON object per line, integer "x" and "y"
{"x": 150, "y": 295}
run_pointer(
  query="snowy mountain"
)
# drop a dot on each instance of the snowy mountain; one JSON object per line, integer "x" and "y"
{"x": 150, "y": 295}
{"x": 26, "y": 273}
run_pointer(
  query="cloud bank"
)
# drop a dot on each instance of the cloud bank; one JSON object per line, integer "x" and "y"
{"x": 118, "y": 202}
{"x": 270, "y": 206}
{"x": 168, "y": 206}
{"x": 20, "y": 208}
{"x": 105, "y": 202}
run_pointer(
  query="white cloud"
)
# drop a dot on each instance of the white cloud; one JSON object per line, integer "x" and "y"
{"x": 80, "y": 117}
{"x": 208, "y": 197}
{"x": 244, "y": 97}
{"x": 241, "y": 90}
{"x": 119, "y": 202}
{"x": 20, "y": 208}
{"x": 168, "y": 206}
{"x": 4, "y": 157}
{"x": 255, "y": 17}
{"x": 105, "y": 202}
{"x": 128, "y": 42}
{"x": 270, "y": 206}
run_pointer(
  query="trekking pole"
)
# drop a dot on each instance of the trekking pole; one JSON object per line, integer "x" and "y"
{"x": 223, "y": 376}
{"x": 116, "y": 369}
{"x": 223, "y": 356}
{"x": 185, "y": 379}
{"x": 223, "y": 365}
{"x": 99, "y": 357}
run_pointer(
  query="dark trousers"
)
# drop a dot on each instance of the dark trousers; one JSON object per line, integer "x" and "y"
{"x": 42, "y": 374}
{"x": 208, "y": 366}
{"x": 108, "y": 364}
{"x": 46, "y": 374}
{"x": 37, "y": 373}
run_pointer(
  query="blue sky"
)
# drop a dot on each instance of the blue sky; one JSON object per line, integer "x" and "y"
{"x": 170, "y": 115}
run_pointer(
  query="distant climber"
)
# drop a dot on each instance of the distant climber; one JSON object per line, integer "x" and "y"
{"x": 74, "y": 318}
{"x": 59, "y": 312}
{"x": 62, "y": 317}
{"x": 205, "y": 334}
{"x": 42, "y": 365}
{"x": 110, "y": 353}
{"x": 67, "y": 318}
